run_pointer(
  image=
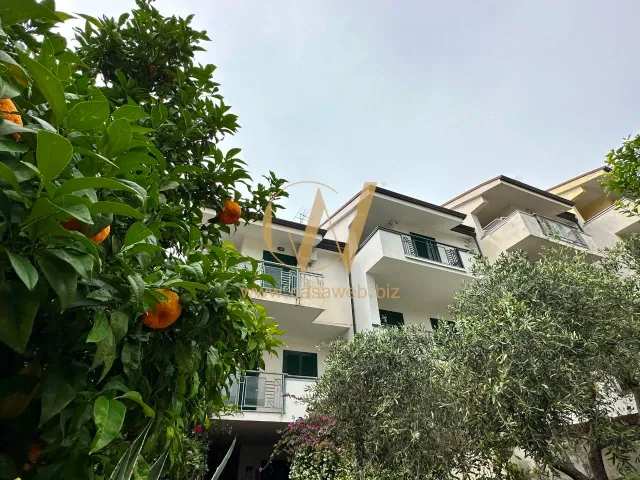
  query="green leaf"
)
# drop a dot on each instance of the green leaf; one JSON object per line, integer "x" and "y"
{"x": 69, "y": 205}
{"x": 19, "y": 308}
{"x": 88, "y": 115}
{"x": 12, "y": 146}
{"x": 48, "y": 226}
{"x": 224, "y": 461}
{"x": 131, "y": 356}
{"x": 118, "y": 138}
{"x": 137, "y": 286}
{"x": 83, "y": 263}
{"x": 53, "y": 154}
{"x": 108, "y": 416}
{"x": 131, "y": 161}
{"x": 8, "y": 469}
{"x": 62, "y": 278}
{"x": 14, "y": 68}
{"x": 56, "y": 395}
{"x": 136, "y": 233}
{"x": 48, "y": 84}
{"x": 136, "y": 397}
{"x": 24, "y": 269}
{"x": 105, "y": 354}
{"x": 158, "y": 465}
{"x": 84, "y": 183}
{"x": 126, "y": 465}
{"x": 9, "y": 176}
{"x": 119, "y": 324}
{"x": 131, "y": 113}
{"x": 8, "y": 89}
{"x": 100, "y": 328}
{"x": 16, "y": 11}
{"x": 115, "y": 208}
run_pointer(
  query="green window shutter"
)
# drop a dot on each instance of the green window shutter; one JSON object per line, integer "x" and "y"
{"x": 302, "y": 364}
{"x": 290, "y": 260}
{"x": 391, "y": 319}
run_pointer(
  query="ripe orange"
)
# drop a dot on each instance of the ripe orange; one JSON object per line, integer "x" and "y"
{"x": 166, "y": 312}
{"x": 34, "y": 452}
{"x": 101, "y": 235}
{"x": 231, "y": 213}
{"x": 8, "y": 111}
{"x": 73, "y": 225}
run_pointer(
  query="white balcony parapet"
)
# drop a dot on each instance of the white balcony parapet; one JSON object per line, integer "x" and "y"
{"x": 290, "y": 280}
{"x": 550, "y": 227}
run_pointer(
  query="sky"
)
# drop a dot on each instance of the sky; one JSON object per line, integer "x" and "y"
{"x": 426, "y": 98}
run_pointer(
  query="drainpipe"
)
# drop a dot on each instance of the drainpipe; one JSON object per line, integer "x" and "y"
{"x": 353, "y": 309}
{"x": 475, "y": 238}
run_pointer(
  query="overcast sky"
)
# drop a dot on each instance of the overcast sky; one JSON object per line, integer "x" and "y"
{"x": 426, "y": 98}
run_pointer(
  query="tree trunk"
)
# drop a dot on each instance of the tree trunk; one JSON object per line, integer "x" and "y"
{"x": 570, "y": 471}
{"x": 597, "y": 463}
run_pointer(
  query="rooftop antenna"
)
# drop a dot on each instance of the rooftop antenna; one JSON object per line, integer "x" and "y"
{"x": 302, "y": 216}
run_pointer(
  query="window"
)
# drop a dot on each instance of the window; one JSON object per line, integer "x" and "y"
{"x": 435, "y": 323}
{"x": 302, "y": 364}
{"x": 391, "y": 319}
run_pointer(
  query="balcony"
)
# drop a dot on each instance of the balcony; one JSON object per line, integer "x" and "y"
{"x": 532, "y": 232}
{"x": 270, "y": 397}
{"x": 419, "y": 271}
{"x": 292, "y": 300}
{"x": 614, "y": 221}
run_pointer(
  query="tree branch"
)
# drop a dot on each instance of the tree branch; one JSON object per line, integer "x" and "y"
{"x": 569, "y": 470}
{"x": 597, "y": 463}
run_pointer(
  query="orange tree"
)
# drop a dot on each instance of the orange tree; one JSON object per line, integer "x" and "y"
{"x": 119, "y": 307}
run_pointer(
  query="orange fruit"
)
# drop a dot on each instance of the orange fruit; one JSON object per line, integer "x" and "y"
{"x": 101, "y": 235}
{"x": 34, "y": 452}
{"x": 8, "y": 111}
{"x": 166, "y": 312}
{"x": 231, "y": 213}
{"x": 73, "y": 225}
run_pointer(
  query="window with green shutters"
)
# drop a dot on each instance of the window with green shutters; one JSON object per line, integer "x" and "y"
{"x": 391, "y": 319}
{"x": 302, "y": 364}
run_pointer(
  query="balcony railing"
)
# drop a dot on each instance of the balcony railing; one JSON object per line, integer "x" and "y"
{"x": 428, "y": 249}
{"x": 258, "y": 391}
{"x": 266, "y": 392}
{"x": 550, "y": 228}
{"x": 561, "y": 231}
{"x": 289, "y": 280}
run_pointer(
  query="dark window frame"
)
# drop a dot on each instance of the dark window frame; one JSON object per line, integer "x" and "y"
{"x": 401, "y": 317}
{"x": 288, "y": 353}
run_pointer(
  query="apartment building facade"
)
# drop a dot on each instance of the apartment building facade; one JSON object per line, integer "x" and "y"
{"x": 408, "y": 260}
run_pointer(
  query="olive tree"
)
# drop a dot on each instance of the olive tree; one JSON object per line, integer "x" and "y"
{"x": 541, "y": 352}
{"x": 388, "y": 395}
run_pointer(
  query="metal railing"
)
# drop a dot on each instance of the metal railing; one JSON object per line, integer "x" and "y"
{"x": 259, "y": 392}
{"x": 289, "y": 280}
{"x": 425, "y": 248}
{"x": 550, "y": 228}
{"x": 561, "y": 231}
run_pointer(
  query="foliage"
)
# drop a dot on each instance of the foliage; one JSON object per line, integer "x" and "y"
{"x": 122, "y": 132}
{"x": 540, "y": 352}
{"x": 388, "y": 394}
{"x": 623, "y": 178}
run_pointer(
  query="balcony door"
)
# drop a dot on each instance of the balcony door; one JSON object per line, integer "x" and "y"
{"x": 426, "y": 247}
{"x": 278, "y": 267}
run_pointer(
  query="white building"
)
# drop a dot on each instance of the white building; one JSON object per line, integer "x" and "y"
{"x": 408, "y": 259}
